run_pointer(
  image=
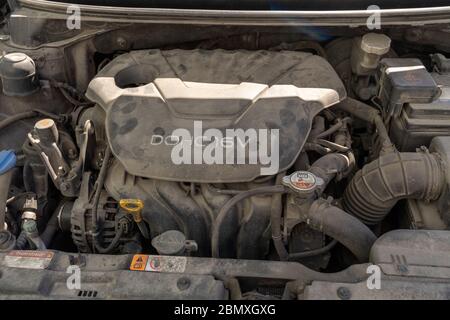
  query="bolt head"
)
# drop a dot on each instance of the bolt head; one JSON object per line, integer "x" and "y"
{"x": 344, "y": 293}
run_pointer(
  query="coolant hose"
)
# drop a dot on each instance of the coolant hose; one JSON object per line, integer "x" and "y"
{"x": 376, "y": 188}
{"x": 328, "y": 166}
{"x": 343, "y": 227}
{"x": 215, "y": 237}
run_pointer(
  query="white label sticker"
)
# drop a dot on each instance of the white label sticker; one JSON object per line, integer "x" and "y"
{"x": 28, "y": 259}
{"x": 166, "y": 264}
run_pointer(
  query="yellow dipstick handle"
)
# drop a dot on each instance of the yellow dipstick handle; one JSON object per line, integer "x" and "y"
{"x": 134, "y": 207}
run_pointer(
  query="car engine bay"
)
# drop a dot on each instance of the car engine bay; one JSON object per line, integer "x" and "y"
{"x": 92, "y": 119}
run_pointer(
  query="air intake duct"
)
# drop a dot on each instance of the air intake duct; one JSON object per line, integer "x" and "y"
{"x": 377, "y": 187}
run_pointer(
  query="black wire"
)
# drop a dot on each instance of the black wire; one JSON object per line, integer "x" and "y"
{"x": 72, "y": 100}
{"x": 311, "y": 253}
{"x": 96, "y": 198}
{"x": 20, "y": 195}
{"x": 30, "y": 114}
{"x": 112, "y": 245}
{"x": 17, "y": 117}
{"x": 67, "y": 90}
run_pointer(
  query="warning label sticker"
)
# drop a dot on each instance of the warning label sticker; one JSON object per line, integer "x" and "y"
{"x": 158, "y": 263}
{"x": 139, "y": 262}
{"x": 28, "y": 259}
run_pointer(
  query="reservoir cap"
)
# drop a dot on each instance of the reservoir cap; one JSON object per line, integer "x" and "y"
{"x": 18, "y": 74}
{"x": 170, "y": 243}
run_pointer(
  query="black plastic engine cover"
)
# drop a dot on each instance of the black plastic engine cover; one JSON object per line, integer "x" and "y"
{"x": 150, "y": 93}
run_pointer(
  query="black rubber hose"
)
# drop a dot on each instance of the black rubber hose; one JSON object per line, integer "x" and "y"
{"x": 312, "y": 253}
{"x": 27, "y": 115}
{"x": 17, "y": 117}
{"x": 52, "y": 227}
{"x": 359, "y": 109}
{"x": 215, "y": 238}
{"x": 369, "y": 114}
{"x": 376, "y": 188}
{"x": 343, "y": 227}
{"x": 330, "y": 130}
{"x": 21, "y": 241}
{"x": 328, "y": 166}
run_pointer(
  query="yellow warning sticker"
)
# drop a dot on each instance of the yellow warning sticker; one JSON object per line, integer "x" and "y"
{"x": 151, "y": 263}
{"x": 139, "y": 262}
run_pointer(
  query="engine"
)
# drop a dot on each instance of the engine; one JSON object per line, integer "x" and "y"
{"x": 183, "y": 140}
{"x": 276, "y": 154}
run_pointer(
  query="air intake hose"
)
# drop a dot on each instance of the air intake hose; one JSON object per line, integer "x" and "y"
{"x": 377, "y": 187}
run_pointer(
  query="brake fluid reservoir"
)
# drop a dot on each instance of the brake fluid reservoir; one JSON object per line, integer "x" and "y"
{"x": 367, "y": 51}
